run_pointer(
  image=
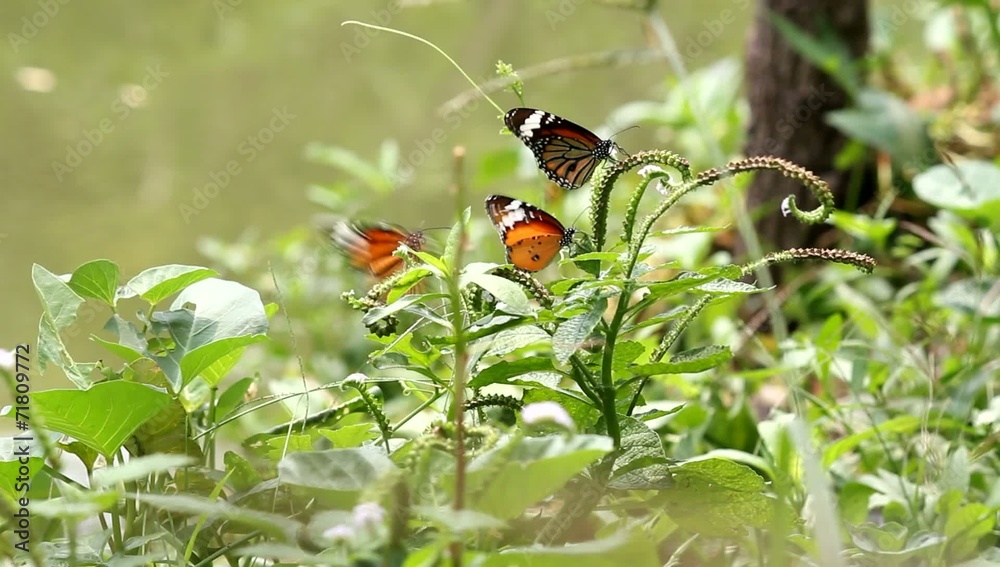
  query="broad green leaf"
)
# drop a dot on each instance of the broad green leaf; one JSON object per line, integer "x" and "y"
{"x": 59, "y": 307}
{"x": 347, "y": 470}
{"x": 966, "y": 525}
{"x": 826, "y": 52}
{"x": 625, "y": 353}
{"x": 102, "y": 417}
{"x": 241, "y": 473}
{"x": 852, "y": 501}
{"x": 513, "y": 297}
{"x": 156, "y": 284}
{"x": 207, "y": 321}
{"x": 502, "y": 371}
{"x": 460, "y": 521}
{"x": 694, "y": 360}
{"x": 635, "y": 550}
{"x": 11, "y": 451}
{"x": 226, "y": 352}
{"x": 350, "y": 436}
{"x": 82, "y": 505}
{"x": 459, "y": 231}
{"x": 511, "y": 479}
{"x": 717, "y": 498}
{"x": 572, "y": 333}
{"x": 232, "y": 397}
{"x": 131, "y": 343}
{"x": 400, "y": 304}
{"x": 138, "y": 468}
{"x": 583, "y": 412}
{"x": 970, "y": 188}
{"x": 97, "y": 279}
{"x": 272, "y": 524}
{"x": 216, "y": 371}
{"x": 727, "y": 286}
{"x": 902, "y": 424}
{"x": 642, "y": 463}
{"x": 509, "y": 340}
{"x": 884, "y": 121}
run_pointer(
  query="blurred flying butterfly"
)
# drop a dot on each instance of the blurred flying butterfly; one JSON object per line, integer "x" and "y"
{"x": 370, "y": 247}
{"x": 566, "y": 152}
{"x": 532, "y": 236}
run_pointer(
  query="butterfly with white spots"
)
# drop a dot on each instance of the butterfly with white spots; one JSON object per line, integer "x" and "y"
{"x": 532, "y": 236}
{"x": 566, "y": 152}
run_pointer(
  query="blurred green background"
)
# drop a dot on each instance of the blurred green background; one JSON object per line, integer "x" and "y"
{"x": 183, "y": 88}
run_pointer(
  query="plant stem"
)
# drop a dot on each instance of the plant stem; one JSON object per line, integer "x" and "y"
{"x": 420, "y": 408}
{"x": 461, "y": 354}
{"x": 607, "y": 380}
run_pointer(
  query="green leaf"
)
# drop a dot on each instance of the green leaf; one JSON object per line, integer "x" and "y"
{"x": 826, "y": 52}
{"x": 97, "y": 279}
{"x": 500, "y": 372}
{"x": 886, "y": 122}
{"x": 903, "y": 424}
{"x": 232, "y": 397}
{"x": 274, "y": 525}
{"x": 82, "y": 505}
{"x": 717, "y": 498}
{"x": 634, "y": 550}
{"x": 11, "y": 452}
{"x": 573, "y": 332}
{"x": 513, "y": 297}
{"x": 729, "y": 287}
{"x": 513, "y": 478}
{"x": 642, "y": 463}
{"x": 584, "y": 414}
{"x": 241, "y": 473}
{"x": 694, "y": 360}
{"x": 350, "y": 436}
{"x": 138, "y": 468}
{"x": 208, "y": 321}
{"x": 509, "y": 340}
{"x": 458, "y": 521}
{"x": 625, "y": 353}
{"x": 131, "y": 343}
{"x": 970, "y": 188}
{"x": 348, "y": 470}
{"x": 102, "y": 417}
{"x": 59, "y": 306}
{"x": 156, "y": 284}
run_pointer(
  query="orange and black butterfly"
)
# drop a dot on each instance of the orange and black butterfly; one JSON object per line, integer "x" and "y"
{"x": 370, "y": 247}
{"x": 566, "y": 152}
{"x": 532, "y": 236}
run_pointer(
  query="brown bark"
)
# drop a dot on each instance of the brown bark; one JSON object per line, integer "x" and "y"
{"x": 788, "y": 98}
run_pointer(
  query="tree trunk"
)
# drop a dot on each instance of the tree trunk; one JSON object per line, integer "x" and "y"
{"x": 788, "y": 99}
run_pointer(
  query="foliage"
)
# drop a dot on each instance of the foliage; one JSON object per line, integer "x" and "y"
{"x": 616, "y": 414}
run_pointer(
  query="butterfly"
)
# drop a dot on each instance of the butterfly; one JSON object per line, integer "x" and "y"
{"x": 566, "y": 152}
{"x": 532, "y": 236}
{"x": 370, "y": 247}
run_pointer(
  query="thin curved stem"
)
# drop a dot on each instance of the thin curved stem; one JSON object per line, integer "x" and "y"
{"x": 436, "y": 48}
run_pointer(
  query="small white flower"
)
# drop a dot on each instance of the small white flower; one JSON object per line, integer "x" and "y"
{"x": 355, "y": 378}
{"x": 7, "y": 358}
{"x": 786, "y": 207}
{"x": 340, "y": 533}
{"x": 652, "y": 169}
{"x": 547, "y": 412}
{"x": 368, "y": 515}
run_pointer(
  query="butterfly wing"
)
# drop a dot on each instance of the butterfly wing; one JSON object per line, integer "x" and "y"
{"x": 565, "y": 151}
{"x": 371, "y": 247}
{"x": 531, "y": 236}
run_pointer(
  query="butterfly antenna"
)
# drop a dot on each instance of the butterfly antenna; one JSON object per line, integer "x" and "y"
{"x": 621, "y": 149}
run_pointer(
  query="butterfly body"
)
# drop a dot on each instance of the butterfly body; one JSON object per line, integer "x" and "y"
{"x": 567, "y": 152}
{"x": 532, "y": 237}
{"x": 371, "y": 247}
